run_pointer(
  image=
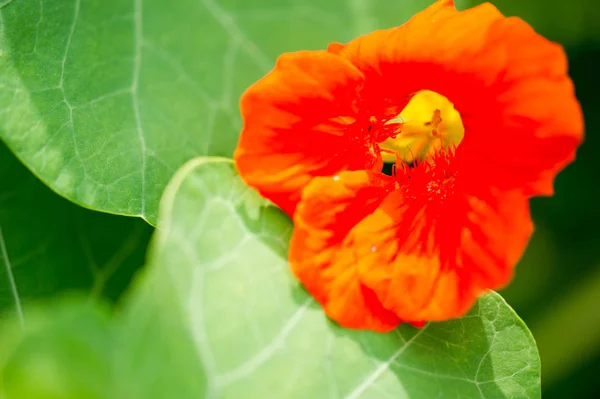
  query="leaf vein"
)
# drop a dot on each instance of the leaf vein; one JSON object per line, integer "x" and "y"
{"x": 254, "y": 362}
{"x": 138, "y": 37}
{"x": 383, "y": 367}
{"x": 229, "y": 25}
{"x": 11, "y": 278}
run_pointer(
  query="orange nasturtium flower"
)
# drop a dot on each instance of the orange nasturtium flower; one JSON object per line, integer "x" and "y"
{"x": 476, "y": 113}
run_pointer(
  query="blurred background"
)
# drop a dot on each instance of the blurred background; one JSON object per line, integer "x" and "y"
{"x": 557, "y": 285}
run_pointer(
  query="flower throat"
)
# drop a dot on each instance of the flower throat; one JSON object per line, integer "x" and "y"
{"x": 427, "y": 125}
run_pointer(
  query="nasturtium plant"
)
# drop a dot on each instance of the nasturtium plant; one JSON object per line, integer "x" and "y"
{"x": 120, "y": 116}
{"x": 217, "y": 314}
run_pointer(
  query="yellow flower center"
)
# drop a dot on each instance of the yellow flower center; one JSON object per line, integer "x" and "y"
{"x": 427, "y": 124}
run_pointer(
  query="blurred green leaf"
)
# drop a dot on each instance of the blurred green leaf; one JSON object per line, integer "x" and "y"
{"x": 568, "y": 22}
{"x": 575, "y": 309}
{"x": 63, "y": 352}
{"x": 48, "y": 245}
{"x": 105, "y": 99}
{"x": 540, "y": 258}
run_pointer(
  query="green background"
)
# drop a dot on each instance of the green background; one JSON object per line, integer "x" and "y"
{"x": 557, "y": 286}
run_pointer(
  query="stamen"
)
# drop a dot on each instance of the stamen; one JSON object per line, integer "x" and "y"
{"x": 436, "y": 120}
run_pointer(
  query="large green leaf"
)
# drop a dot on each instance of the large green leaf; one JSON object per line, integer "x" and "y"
{"x": 49, "y": 245}
{"x": 105, "y": 99}
{"x": 219, "y": 280}
{"x": 218, "y": 315}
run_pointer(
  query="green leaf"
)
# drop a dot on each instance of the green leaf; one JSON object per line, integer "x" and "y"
{"x": 220, "y": 290}
{"x": 105, "y": 99}
{"x": 48, "y": 245}
{"x": 217, "y": 314}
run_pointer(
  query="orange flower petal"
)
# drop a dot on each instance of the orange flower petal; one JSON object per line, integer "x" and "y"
{"x": 422, "y": 251}
{"x": 510, "y": 85}
{"x": 330, "y": 207}
{"x": 425, "y": 53}
{"x": 539, "y": 121}
{"x": 296, "y": 123}
{"x": 431, "y": 262}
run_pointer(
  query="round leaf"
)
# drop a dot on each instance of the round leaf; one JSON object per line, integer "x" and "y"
{"x": 220, "y": 300}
